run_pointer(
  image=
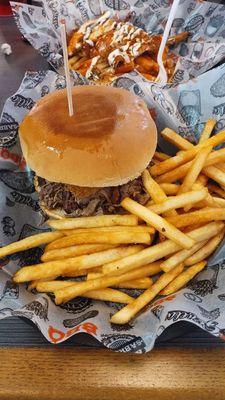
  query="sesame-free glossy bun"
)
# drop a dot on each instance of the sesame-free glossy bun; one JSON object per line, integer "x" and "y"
{"x": 109, "y": 140}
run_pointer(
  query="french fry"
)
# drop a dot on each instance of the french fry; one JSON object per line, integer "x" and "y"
{"x": 158, "y": 251}
{"x": 179, "y": 172}
{"x": 220, "y": 202}
{"x": 209, "y": 126}
{"x": 70, "y": 265}
{"x": 74, "y": 251}
{"x": 179, "y": 201}
{"x": 154, "y": 161}
{"x": 33, "y": 284}
{"x": 141, "y": 283}
{"x": 202, "y": 180}
{"x": 155, "y": 191}
{"x": 148, "y": 64}
{"x": 94, "y": 275}
{"x": 177, "y": 140}
{"x": 216, "y": 189}
{"x": 216, "y": 174}
{"x": 205, "y": 251}
{"x": 170, "y": 189}
{"x": 158, "y": 222}
{"x": 133, "y": 229}
{"x": 144, "y": 271}
{"x": 194, "y": 170}
{"x": 127, "y": 313}
{"x": 199, "y": 216}
{"x": 221, "y": 166}
{"x": 182, "y": 279}
{"x": 63, "y": 295}
{"x": 29, "y": 243}
{"x": 101, "y": 237}
{"x": 152, "y": 187}
{"x": 102, "y": 294}
{"x": 184, "y": 156}
{"x": 161, "y": 156}
{"x": 180, "y": 37}
{"x": 180, "y": 256}
{"x": 81, "y": 272}
{"x": 94, "y": 222}
{"x": 74, "y": 274}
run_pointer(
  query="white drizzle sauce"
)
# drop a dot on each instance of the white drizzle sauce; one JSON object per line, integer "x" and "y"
{"x": 136, "y": 33}
{"x": 88, "y": 27}
{"x": 115, "y": 53}
{"x": 93, "y": 63}
{"x": 125, "y": 47}
{"x": 124, "y": 32}
{"x": 103, "y": 18}
{"x": 134, "y": 49}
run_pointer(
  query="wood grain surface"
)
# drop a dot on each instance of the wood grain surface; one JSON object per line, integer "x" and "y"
{"x": 84, "y": 374}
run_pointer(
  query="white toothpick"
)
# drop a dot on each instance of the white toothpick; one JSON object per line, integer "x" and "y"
{"x": 66, "y": 67}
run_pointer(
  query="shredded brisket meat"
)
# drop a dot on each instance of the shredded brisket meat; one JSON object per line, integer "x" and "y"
{"x": 77, "y": 201}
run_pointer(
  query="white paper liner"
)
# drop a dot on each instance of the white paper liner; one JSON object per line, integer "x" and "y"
{"x": 201, "y": 303}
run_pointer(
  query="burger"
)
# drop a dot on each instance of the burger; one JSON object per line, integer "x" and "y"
{"x": 86, "y": 164}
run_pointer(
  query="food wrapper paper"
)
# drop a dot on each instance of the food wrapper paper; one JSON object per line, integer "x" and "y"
{"x": 201, "y": 302}
{"x": 184, "y": 106}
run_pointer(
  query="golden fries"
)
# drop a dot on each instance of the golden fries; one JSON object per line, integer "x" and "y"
{"x": 220, "y": 202}
{"x": 102, "y": 294}
{"x": 101, "y": 237}
{"x": 182, "y": 279}
{"x": 202, "y": 180}
{"x": 180, "y": 172}
{"x": 206, "y": 250}
{"x": 29, "y": 243}
{"x": 177, "y": 140}
{"x": 159, "y": 250}
{"x": 155, "y": 191}
{"x": 216, "y": 189}
{"x": 161, "y": 156}
{"x": 115, "y": 251}
{"x": 70, "y": 265}
{"x": 65, "y": 294}
{"x": 183, "y": 156}
{"x": 209, "y": 126}
{"x": 131, "y": 229}
{"x": 94, "y": 222}
{"x": 221, "y": 166}
{"x": 141, "y": 283}
{"x": 194, "y": 170}
{"x": 158, "y": 222}
{"x": 127, "y": 313}
{"x": 74, "y": 251}
{"x": 216, "y": 174}
{"x": 94, "y": 275}
{"x": 179, "y": 201}
{"x": 170, "y": 188}
{"x": 179, "y": 257}
{"x": 199, "y": 216}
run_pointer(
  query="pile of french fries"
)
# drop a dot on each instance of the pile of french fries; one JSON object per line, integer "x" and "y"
{"x": 132, "y": 48}
{"x": 158, "y": 247}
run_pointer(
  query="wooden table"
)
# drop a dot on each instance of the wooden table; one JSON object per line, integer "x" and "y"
{"x": 98, "y": 374}
{"x": 47, "y": 374}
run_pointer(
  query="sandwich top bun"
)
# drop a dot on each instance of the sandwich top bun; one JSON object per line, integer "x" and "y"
{"x": 109, "y": 140}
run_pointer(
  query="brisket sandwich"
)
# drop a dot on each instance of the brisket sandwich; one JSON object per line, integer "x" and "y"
{"x": 86, "y": 164}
